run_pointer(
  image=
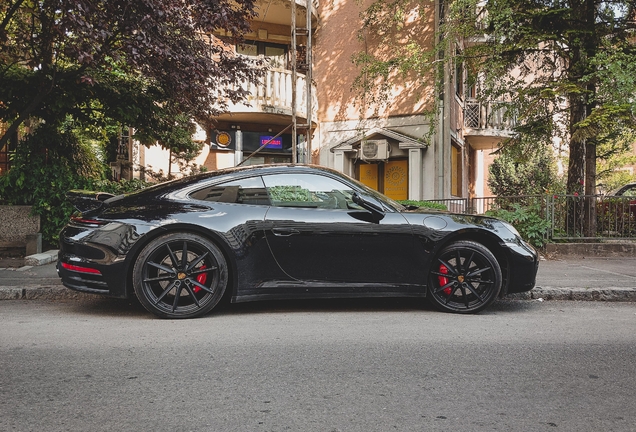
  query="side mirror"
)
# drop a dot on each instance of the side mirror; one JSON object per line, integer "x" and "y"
{"x": 369, "y": 203}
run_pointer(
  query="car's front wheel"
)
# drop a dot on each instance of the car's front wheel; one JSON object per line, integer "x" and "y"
{"x": 180, "y": 275}
{"x": 465, "y": 277}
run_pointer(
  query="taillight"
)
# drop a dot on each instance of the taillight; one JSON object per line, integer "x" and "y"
{"x": 80, "y": 269}
{"x": 78, "y": 219}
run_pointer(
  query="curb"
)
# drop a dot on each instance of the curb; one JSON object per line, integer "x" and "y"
{"x": 618, "y": 294}
{"x": 58, "y": 292}
{"x": 41, "y": 258}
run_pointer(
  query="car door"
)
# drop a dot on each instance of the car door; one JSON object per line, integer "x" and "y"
{"x": 317, "y": 233}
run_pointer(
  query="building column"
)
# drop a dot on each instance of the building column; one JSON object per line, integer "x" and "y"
{"x": 238, "y": 152}
{"x": 415, "y": 174}
{"x": 480, "y": 175}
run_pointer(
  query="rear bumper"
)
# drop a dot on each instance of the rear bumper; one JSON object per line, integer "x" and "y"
{"x": 89, "y": 266}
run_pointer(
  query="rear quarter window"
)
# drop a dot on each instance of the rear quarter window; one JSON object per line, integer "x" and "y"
{"x": 244, "y": 191}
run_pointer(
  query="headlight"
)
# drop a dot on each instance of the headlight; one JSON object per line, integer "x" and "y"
{"x": 511, "y": 228}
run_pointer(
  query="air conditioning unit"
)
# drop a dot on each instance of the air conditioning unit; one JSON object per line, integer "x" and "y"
{"x": 374, "y": 150}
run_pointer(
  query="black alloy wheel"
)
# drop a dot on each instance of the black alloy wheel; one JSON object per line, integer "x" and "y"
{"x": 465, "y": 278}
{"x": 180, "y": 275}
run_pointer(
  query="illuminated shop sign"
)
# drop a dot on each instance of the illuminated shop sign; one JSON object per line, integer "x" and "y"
{"x": 276, "y": 143}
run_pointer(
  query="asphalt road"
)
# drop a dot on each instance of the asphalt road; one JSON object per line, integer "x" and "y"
{"x": 346, "y": 365}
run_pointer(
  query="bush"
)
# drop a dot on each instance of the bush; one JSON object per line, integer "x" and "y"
{"x": 508, "y": 176}
{"x": 46, "y": 165}
{"x": 528, "y": 220}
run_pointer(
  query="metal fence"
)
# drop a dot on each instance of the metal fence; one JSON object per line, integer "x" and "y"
{"x": 570, "y": 217}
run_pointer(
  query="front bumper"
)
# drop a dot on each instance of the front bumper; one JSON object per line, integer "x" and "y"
{"x": 523, "y": 268}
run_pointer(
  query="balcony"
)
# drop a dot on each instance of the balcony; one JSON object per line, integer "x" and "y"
{"x": 278, "y": 12}
{"x": 273, "y": 98}
{"x": 487, "y": 122}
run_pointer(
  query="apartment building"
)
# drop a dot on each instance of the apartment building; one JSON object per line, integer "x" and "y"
{"x": 381, "y": 144}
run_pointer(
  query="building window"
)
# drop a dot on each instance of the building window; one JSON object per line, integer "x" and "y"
{"x": 275, "y": 53}
{"x": 459, "y": 75}
{"x": 457, "y": 170}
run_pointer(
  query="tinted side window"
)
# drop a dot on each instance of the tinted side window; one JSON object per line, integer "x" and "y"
{"x": 245, "y": 191}
{"x": 308, "y": 190}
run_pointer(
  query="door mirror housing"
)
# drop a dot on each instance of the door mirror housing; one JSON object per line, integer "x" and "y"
{"x": 369, "y": 203}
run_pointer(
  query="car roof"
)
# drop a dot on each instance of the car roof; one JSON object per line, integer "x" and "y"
{"x": 622, "y": 188}
{"x": 234, "y": 172}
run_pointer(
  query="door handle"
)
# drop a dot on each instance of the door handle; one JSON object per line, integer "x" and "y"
{"x": 285, "y": 232}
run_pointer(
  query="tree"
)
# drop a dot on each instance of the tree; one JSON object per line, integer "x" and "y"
{"x": 566, "y": 68}
{"x": 139, "y": 63}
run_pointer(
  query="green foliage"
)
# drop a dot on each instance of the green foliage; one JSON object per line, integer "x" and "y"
{"x": 46, "y": 165}
{"x": 290, "y": 194}
{"x": 140, "y": 64}
{"x": 425, "y": 204}
{"x": 118, "y": 187}
{"x": 510, "y": 176}
{"x": 565, "y": 70}
{"x": 611, "y": 157}
{"x": 528, "y": 220}
{"x": 49, "y": 163}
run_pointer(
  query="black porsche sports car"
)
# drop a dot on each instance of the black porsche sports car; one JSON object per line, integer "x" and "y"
{"x": 284, "y": 231}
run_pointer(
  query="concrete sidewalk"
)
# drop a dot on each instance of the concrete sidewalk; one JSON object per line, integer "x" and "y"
{"x": 562, "y": 278}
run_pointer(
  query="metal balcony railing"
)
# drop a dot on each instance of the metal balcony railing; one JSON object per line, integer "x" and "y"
{"x": 488, "y": 115}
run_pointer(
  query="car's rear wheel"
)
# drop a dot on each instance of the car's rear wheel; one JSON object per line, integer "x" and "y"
{"x": 180, "y": 275}
{"x": 465, "y": 277}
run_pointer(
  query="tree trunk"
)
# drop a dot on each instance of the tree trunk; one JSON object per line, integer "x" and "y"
{"x": 576, "y": 169}
{"x": 590, "y": 188}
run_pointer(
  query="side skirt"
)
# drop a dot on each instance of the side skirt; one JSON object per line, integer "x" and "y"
{"x": 273, "y": 290}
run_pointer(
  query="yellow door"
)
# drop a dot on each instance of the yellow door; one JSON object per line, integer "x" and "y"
{"x": 369, "y": 175}
{"x": 396, "y": 179}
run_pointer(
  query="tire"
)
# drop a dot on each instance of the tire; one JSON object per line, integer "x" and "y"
{"x": 465, "y": 277}
{"x": 180, "y": 275}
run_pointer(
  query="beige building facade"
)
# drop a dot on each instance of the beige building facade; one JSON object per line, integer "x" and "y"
{"x": 383, "y": 144}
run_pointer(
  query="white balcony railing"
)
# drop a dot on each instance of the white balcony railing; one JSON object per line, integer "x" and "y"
{"x": 274, "y": 95}
{"x": 488, "y": 115}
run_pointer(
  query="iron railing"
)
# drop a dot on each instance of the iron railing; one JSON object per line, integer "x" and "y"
{"x": 488, "y": 115}
{"x": 570, "y": 217}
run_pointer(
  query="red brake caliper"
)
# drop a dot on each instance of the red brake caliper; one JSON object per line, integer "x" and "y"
{"x": 444, "y": 280}
{"x": 201, "y": 278}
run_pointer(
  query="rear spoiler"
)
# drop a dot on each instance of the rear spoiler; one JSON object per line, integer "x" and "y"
{"x": 86, "y": 201}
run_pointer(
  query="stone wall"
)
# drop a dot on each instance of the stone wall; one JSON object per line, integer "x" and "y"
{"x": 19, "y": 229}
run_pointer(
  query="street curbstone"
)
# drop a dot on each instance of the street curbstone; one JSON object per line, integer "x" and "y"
{"x": 45, "y": 293}
{"x": 41, "y": 258}
{"x": 540, "y": 293}
{"x": 551, "y": 293}
{"x": 11, "y": 293}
